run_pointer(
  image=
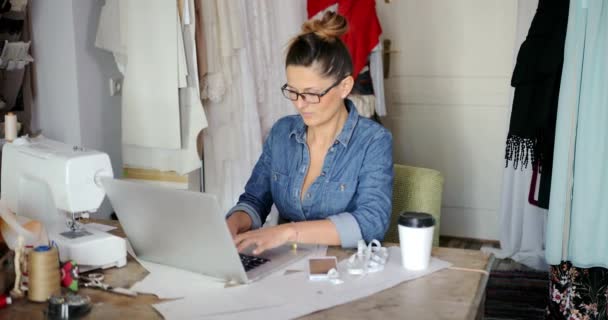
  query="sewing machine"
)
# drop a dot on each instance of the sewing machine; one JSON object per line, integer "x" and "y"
{"x": 56, "y": 183}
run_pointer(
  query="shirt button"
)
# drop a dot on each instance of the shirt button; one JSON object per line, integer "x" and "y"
{"x": 308, "y": 195}
{"x": 274, "y": 177}
{"x": 332, "y": 149}
{"x": 322, "y": 173}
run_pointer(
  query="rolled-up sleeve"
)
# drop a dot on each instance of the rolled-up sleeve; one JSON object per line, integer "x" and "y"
{"x": 348, "y": 229}
{"x": 256, "y": 221}
{"x": 373, "y": 198}
{"x": 256, "y": 201}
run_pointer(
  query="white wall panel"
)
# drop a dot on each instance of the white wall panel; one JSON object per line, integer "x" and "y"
{"x": 446, "y": 98}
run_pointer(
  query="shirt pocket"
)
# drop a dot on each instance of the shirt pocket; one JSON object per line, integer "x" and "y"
{"x": 337, "y": 196}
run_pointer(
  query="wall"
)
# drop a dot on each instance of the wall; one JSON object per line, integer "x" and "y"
{"x": 72, "y": 102}
{"x": 447, "y": 100}
{"x": 56, "y": 110}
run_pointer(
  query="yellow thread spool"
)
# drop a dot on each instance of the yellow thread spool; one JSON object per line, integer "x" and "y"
{"x": 44, "y": 277}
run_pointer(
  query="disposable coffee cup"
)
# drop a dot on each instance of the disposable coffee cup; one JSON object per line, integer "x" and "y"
{"x": 416, "y": 239}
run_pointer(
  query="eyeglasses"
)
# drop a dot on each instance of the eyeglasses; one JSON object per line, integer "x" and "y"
{"x": 308, "y": 97}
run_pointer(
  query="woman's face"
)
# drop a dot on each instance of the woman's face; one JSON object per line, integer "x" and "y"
{"x": 308, "y": 80}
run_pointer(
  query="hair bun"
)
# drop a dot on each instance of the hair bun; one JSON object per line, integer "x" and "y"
{"x": 330, "y": 27}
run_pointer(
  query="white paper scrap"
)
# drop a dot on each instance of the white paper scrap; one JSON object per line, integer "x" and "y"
{"x": 293, "y": 295}
{"x": 168, "y": 282}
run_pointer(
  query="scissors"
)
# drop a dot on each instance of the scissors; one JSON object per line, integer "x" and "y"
{"x": 95, "y": 281}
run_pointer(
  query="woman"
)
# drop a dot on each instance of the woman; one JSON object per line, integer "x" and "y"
{"x": 328, "y": 170}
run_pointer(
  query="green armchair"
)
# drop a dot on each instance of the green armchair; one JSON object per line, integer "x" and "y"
{"x": 415, "y": 189}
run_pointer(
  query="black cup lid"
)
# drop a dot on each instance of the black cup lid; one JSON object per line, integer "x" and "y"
{"x": 416, "y": 220}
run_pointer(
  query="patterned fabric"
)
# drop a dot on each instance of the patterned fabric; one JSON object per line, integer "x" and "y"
{"x": 577, "y": 293}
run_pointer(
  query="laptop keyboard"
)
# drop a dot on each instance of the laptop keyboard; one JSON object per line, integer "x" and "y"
{"x": 251, "y": 262}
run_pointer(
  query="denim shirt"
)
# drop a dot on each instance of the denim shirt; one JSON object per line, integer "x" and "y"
{"x": 354, "y": 189}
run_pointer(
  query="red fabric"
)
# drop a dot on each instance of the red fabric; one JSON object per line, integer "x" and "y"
{"x": 364, "y": 27}
{"x": 4, "y": 301}
{"x": 315, "y": 6}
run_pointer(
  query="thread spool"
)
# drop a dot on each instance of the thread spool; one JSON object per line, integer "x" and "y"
{"x": 70, "y": 306}
{"x": 69, "y": 275}
{"x": 10, "y": 126}
{"x": 5, "y": 301}
{"x": 43, "y": 276}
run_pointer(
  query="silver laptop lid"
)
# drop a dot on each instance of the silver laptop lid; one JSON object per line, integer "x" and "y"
{"x": 179, "y": 228}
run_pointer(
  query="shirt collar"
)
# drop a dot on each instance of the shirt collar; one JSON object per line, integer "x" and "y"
{"x": 299, "y": 129}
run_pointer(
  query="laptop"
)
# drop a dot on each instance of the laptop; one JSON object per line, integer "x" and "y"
{"x": 187, "y": 230}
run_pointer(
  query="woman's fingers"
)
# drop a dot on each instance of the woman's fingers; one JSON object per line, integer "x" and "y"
{"x": 263, "y": 239}
{"x": 260, "y": 248}
{"x": 244, "y": 244}
{"x": 245, "y": 240}
{"x": 242, "y": 236}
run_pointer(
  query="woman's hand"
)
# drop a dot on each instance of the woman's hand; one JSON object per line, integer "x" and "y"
{"x": 238, "y": 222}
{"x": 266, "y": 238}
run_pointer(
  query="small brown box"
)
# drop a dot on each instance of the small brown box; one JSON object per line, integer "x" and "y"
{"x": 319, "y": 267}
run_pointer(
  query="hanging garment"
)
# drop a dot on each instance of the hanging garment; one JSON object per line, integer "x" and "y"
{"x": 577, "y": 293}
{"x": 182, "y": 160}
{"x": 536, "y": 79}
{"x": 193, "y": 120}
{"x": 364, "y": 103}
{"x": 111, "y": 35}
{"x": 376, "y": 69}
{"x": 577, "y": 242}
{"x": 364, "y": 27}
{"x": 149, "y": 95}
{"x": 576, "y": 229}
{"x": 111, "y": 31}
{"x": 522, "y": 226}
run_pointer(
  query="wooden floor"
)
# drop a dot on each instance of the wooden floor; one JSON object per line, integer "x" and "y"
{"x": 466, "y": 243}
{"x": 476, "y": 244}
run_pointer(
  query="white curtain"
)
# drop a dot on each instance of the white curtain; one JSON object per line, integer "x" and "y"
{"x": 272, "y": 24}
{"x": 522, "y": 225}
{"x": 245, "y": 49}
{"x": 232, "y": 140}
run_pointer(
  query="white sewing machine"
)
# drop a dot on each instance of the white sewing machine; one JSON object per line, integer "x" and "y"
{"x": 56, "y": 183}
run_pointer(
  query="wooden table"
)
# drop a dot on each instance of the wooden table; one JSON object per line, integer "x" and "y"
{"x": 455, "y": 293}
